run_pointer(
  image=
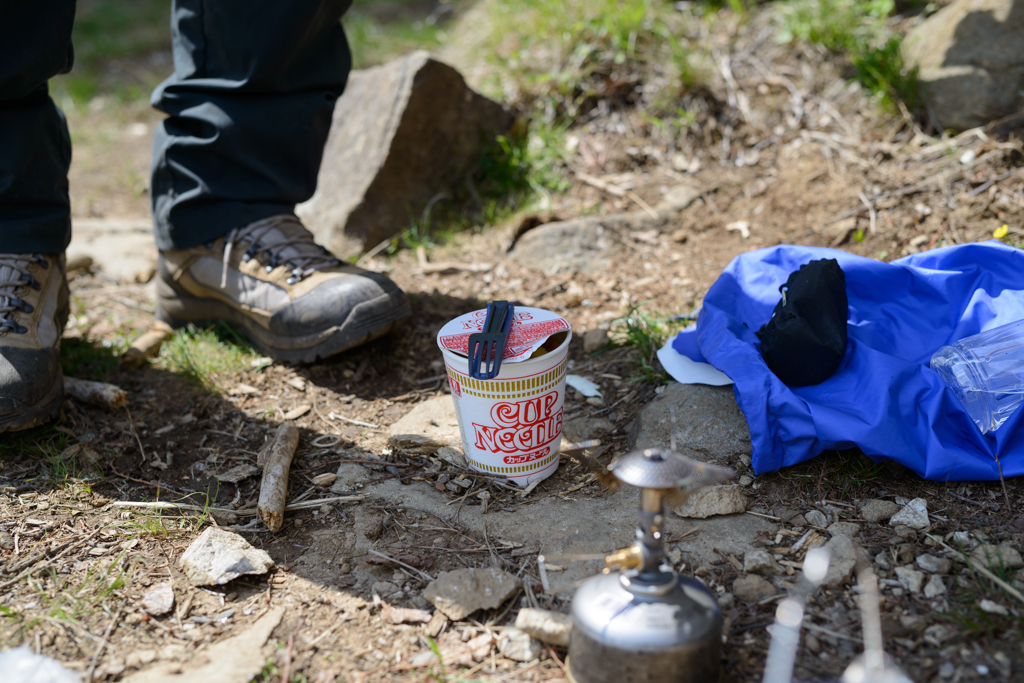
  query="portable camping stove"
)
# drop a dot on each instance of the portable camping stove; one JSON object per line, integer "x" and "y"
{"x": 640, "y": 620}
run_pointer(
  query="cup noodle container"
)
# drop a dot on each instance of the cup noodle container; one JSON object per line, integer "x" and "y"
{"x": 512, "y": 424}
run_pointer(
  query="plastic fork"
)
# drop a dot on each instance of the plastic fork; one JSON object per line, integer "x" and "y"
{"x": 487, "y": 348}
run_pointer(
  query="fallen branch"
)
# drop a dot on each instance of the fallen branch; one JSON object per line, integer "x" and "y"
{"x": 617, "y": 191}
{"x": 247, "y": 512}
{"x": 96, "y": 393}
{"x": 334, "y": 416}
{"x": 146, "y": 346}
{"x": 274, "y": 486}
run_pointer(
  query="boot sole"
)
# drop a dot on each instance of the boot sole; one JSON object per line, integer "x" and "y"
{"x": 41, "y": 413}
{"x": 367, "y": 321}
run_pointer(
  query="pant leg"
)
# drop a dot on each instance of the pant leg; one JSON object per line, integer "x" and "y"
{"x": 35, "y": 148}
{"x": 250, "y": 105}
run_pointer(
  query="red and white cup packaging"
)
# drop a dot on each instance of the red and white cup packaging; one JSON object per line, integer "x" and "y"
{"x": 511, "y": 425}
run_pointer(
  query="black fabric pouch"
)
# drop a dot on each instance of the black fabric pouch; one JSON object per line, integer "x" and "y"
{"x": 805, "y": 340}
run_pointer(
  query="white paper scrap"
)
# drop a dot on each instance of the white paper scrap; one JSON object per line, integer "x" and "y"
{"x": 687, "y": 371}
{"x": 583, "y": 385}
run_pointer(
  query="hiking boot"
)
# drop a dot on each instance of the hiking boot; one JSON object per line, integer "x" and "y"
{"x": 283, "y": 292}
{"x": 34, "y": 306}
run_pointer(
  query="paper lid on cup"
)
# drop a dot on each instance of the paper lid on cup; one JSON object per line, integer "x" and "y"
{"x": 531, "y": 327}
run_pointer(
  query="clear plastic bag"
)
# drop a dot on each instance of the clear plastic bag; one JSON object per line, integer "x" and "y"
{"x": 986, "y": 372}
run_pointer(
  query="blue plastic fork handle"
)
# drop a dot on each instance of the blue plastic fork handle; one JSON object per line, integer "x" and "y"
{"x": 492, "y": 324}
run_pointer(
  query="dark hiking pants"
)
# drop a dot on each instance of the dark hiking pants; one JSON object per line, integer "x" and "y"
{"x": 249, "y": 107}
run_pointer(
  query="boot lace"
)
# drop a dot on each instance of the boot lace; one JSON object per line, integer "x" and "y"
{"x": 303, "y": 262}
{"x": 15, "y": 277}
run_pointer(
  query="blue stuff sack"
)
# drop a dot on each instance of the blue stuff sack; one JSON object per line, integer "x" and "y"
{"x": 883, "y": 397}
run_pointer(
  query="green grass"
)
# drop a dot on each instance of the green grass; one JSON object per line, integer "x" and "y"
{"x": 835, "y": 474}
{"x": 113, "y": 43}
{"x": 562, "y": 56}
{"x": 645, "y": 333}
{"x": 48, "y": 446}
{"x": 116, "y": 44}
{"x": 519, "y": 170}
{"x": 857, "y": 28}
{"x": 86, "y": 359}
{"x": 376, "y": 36}
{"x": 208, "y": 357}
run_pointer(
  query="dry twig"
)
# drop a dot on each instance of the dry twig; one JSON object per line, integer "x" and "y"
{"x": 96, "y": 393}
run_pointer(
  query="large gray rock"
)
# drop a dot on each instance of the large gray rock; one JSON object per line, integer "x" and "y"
{"x": 590, "y": 243}
{"x": 402, "y": 133}
{"x": 461, "y": 592}
{"x": 708, "y": 423}
{"x": 969, "y": 61}
{"x": 587, "y": 244}
{"x": 219, "y": 556}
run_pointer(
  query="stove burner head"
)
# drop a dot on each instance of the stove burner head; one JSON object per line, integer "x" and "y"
{"x": 656, "y": 468}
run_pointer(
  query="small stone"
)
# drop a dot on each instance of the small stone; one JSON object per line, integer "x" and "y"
{"x": 813, "y": 646}
{"x": 997, "y": 557}
{"x": 882, "y": 560}
{"x": 946, "y": 670}
{"x": 962, "y": 540}
{"x": 844, "y": 529}
{"x": 726, "y": 600}
{"x": 878, "y": 510}
{"x": 759, "y": 561}
{"x": 158, "y": 600}
{"x": 238, "y": 473}
{"x": 914, "y": 515}
{"x": 219, "y": 556}
{"x": 461, "y": 592}
{"x": 713, "y": 500}
{"x": 816, "y": 518}
{"x": 594, "y": 340}
{"x": 325, "y": 479}
{"x": 746, "y": 480}
{"x": 910, "y": 578}
{"x": 480, "y": 646}
{"x": 451, "y": 456}
{"x": 595, "y": 401}
{"x": 546, "y": 626}
{"x": 935, "y": 587}
{"x": 842, "y": 560}
{"x": 383, "y": 588}
{"x": 933, "y": 564}
{"x": 137, "y": 659}
{"x": 752, "y": 588}
{"x": 346, "y": 568}
{"x": 518, "y": 645}
{"x": 993, "y": 607}
{"x": 6, "y": 541}
{"x": 905, "y": 532}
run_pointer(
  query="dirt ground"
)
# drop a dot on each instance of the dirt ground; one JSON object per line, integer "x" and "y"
{"x": 785, "y": 145}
